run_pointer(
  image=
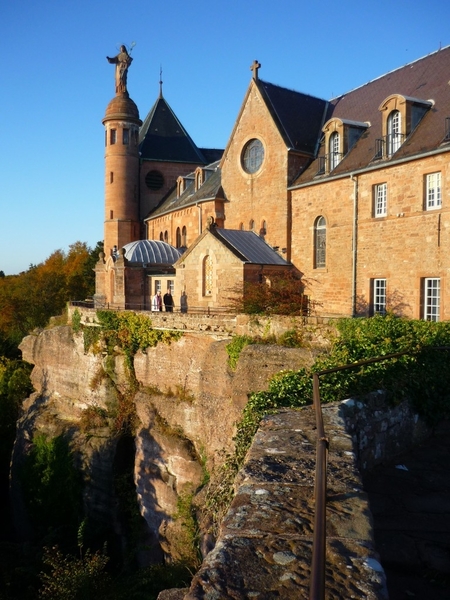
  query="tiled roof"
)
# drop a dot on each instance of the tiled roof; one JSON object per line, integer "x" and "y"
{"x": 162, "y": 137}
{"x": 249, "y": 246}
{"x": 210, "y": 189}
{"x": 424, "y": 79}
{"x": 299, "y": 117}
{"x": 212, "y": 154}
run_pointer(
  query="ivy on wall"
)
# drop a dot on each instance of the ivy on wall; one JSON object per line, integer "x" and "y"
{"x": 422, "y": 376}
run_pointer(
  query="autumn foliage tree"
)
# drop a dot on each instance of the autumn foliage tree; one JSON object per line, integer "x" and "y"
{"x": 28, "y": 300}
{"x": 280, "y": 293}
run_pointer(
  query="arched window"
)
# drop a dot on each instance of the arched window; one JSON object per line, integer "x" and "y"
{"x": 394, "y": 131}
{"x": 263, "y": 230}
{"x": 198, "y": 179}
{"x": 161, "y": 237}
{"x": 320, "y": 242}
{"x": 184, "y": 237}
{"x": 251, "y": 225}
{"x": 166, "y": 236}
{"x": 207, "y": 275}
{"x": 178, "y": 238}
{"x": 241, "y": 226}
{"x": 333, "y": 150}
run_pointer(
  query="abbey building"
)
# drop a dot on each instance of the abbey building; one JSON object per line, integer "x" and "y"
{"x": 351, "y": 193}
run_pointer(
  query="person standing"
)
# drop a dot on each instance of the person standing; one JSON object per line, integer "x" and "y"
{"x": 157, "y": 302}
{"x": 168, "y": 301}
{"x": 183, "y": 303}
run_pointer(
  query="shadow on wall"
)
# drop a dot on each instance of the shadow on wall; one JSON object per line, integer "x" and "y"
{"x": 394, "y": 303}
{"x": 149, "y": 471}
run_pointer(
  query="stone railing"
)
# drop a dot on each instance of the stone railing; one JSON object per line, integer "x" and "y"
{"x": 264, "y": 548}
{"x": 227, "y": 324}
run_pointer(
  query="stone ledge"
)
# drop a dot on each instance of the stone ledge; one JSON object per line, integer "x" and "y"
{"x": 265, "y": 543}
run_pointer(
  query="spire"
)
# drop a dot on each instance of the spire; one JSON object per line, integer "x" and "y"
{"x": 162, "y": 137}
{"x": 160, "y": 82}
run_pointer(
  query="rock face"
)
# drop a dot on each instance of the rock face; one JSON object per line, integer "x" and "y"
{"x": 187, "y": 406}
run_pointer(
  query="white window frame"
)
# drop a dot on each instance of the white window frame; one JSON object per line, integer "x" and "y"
{"x": 380, "y": 200}
{"x": 431, "y": 298}
{"x": 333, "y": 147}
{"x": 379, "y": 296}
{"x": 158, "y": 285}
{"x": 433, "y": 194}
{"x": 394, "y": 130}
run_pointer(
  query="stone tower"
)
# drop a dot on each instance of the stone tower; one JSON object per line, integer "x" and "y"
{"x": 122, "y": 124}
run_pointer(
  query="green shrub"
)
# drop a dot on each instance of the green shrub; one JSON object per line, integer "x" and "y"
{"x": 235, "y": 347}
{"x": 51, "y": 486}
{"x": 93, "y": 417}
{"x": 70, "y": 578}
{"x": 76, "y": 320}
{"x": 293, "y": 338}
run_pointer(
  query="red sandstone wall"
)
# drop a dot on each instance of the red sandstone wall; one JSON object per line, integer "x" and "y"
{"x": 410, "y": 243}
{"x": 263, "y": 195}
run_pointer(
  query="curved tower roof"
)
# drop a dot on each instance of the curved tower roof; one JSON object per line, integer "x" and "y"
{"x": 121, "y": 107}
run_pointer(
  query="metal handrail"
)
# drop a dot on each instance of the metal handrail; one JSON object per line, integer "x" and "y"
{"x": 192, "y": 310}
{"x": 317, "y": 580}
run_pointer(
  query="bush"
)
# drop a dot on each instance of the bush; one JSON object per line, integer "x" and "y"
{"x": 235, "y": 347}
{"x": 52, "y": 487}
{"x": 282, "y": 293}
{"x": 71, "y": 578}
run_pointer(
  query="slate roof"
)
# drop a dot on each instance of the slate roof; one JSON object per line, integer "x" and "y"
{"x": 299, "y": 117}
{"x": 162, "y": 137}
{"x": 424, "y": 79}
{"x": 210, "y": 189}
{"x": 151, "y": 252}
{"x": 249, "y": 247}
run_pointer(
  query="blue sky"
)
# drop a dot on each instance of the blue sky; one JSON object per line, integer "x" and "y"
{"x": 56, "y": 84}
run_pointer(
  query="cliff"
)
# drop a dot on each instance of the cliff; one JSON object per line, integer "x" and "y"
{"x": 186, "y": 405}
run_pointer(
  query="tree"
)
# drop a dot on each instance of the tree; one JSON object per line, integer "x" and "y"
{"x": 281, "y": 293}
{"x": 28, "y": 300}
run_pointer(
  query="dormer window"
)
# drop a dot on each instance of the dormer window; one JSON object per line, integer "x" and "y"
{"x": 199, "y": 178}
{"x": 447, "y": 130}
{"x": 340, "y": 137}
{"x": 181, "y": 185}
{"x": 334, "y": 154}
{"x": 400, "y": 116}
{"x": 394, "y": 132}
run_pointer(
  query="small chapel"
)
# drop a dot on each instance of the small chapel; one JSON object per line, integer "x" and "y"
{"x": 350, "y": 193}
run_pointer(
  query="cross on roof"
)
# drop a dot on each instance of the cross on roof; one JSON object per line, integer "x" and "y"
{"x": 255, "y": 66}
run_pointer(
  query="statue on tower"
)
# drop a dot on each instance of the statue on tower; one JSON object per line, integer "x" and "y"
{"x": 122, "y": 62}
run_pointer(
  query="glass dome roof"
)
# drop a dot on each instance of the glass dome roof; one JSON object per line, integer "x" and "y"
{"x": 151, "y": 252}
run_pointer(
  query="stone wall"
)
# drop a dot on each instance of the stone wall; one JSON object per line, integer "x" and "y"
{"x": 379, "y": 430}
{"x": 317, "y": 330}
{"x": 265, "y": 545}
{"x": 414, "y": 241}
